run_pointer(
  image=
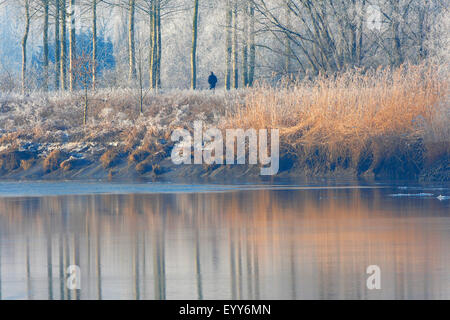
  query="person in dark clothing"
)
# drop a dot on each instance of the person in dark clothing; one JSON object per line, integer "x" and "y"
{"x": 212, "y": 80}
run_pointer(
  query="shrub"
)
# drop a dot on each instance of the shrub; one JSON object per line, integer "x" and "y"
{"x": 53, "y": 160}
{"x": 26, "y": 164}
{"x": 111, "y": 158}
{"x": 12, "y": 160}
{"x": 138, "y": 156}
{"x": 157, "y": 169}
{"x": 73, "y": 163}
{"x": 144, "y": 166}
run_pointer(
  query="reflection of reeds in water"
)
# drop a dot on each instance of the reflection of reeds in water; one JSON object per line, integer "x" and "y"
{"x": 240, "y": 245}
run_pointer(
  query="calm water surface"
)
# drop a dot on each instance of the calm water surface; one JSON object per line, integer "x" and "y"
{"x": 163, "y": 241}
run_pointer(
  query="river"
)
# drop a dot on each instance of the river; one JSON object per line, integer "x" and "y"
{"x": 253, "y": 241}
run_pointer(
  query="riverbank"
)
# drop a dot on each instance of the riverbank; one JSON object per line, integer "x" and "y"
{"x": 380, "y": 125}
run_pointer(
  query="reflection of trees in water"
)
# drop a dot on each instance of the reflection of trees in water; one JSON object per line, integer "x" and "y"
{"x": 249, "y": 244}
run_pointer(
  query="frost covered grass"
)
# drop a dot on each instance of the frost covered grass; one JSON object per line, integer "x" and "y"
{"x": 49, "y": 128}
{"x": 386, "y": 122}
{"x": 114, "y": 117}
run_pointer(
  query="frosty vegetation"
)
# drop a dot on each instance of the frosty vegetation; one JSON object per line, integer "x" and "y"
{"x": 93, "y": 88}
{"x": 242, "y": 41}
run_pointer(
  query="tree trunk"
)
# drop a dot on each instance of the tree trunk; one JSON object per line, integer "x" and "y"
{"x": 155, "y": 50}
{"x": 131, "y": 41}
{"x": 94, "y": 44}
{"x": 252, "y": 57}
{"x": 194, "y": 47}
{"x": 397, "y": 45}
{"x": 72, "y": 47}
{"x": 287, "y": 41}
{"x": 141, "y": 81}
{"x": 57, "y": 47}
{"x": 422, "y": 33}
{"x": 235, "y": 47}
{"x": 86, "y": 103}
{"x": 45, "y": 44}
{"x": 395, "y": 25}
{"x": 159, "y": 42}
{"x": 229, "y": 17}
{"x": 63, "y": 45}
{"x": 245, "y": 47}
{"x": 154, "y": 44}
{"x": 24, "y": 46}
{"x": 361, "y": 34}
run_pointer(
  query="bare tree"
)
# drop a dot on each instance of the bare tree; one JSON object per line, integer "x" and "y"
{"x": 57, "y": 46}
{"x": 235, "y": 49}
{"x": 45, "y": 4}
{"x": 72, "y": 45}
{"x": 83, "y": 69}
{"x": 155, "y": 50}
{"x": 245, "y": 44}
{"x": 63, "y": 38}
{"x": 131, "y": 40}
{"x": 194, "y": 47}
{"x": 252, "y": 45}
{"x": 26, "y": 4}
{"x": 94, "y": 44}
{"x": 287, "y": 43}
{"x": 229, "y": 17}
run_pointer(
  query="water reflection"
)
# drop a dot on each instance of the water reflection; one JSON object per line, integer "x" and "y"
{"x": 292, "y": 244}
